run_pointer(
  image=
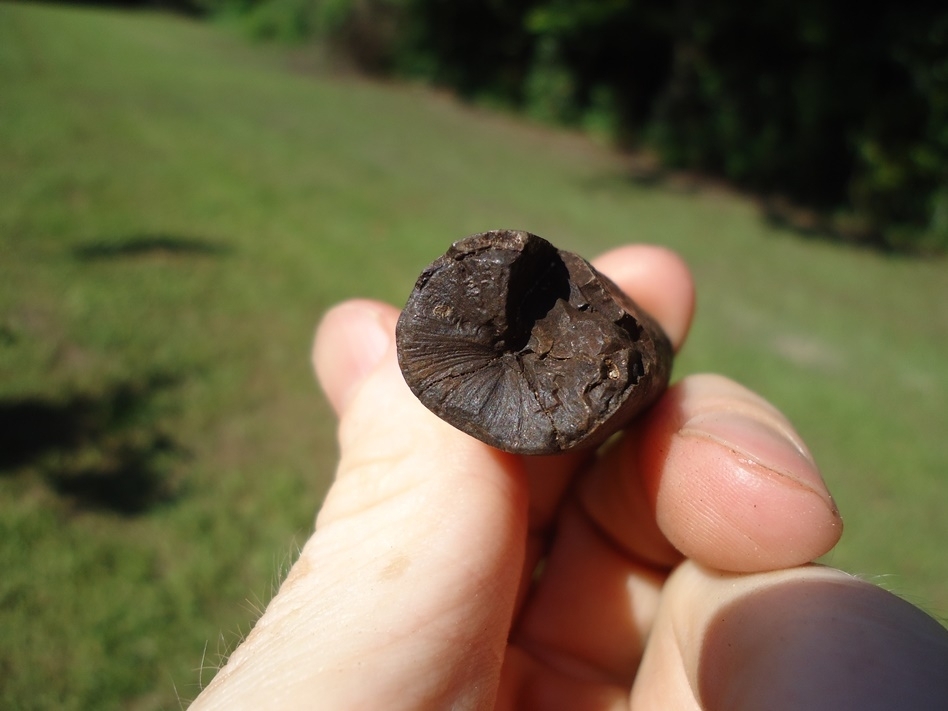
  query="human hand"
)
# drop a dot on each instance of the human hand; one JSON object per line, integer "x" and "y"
{"x": 673, "y": 568}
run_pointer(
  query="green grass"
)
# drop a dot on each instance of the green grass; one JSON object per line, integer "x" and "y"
{"x": 177, "y": 208}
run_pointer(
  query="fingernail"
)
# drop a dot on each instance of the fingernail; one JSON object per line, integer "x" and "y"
{"x": 769, "y": 444}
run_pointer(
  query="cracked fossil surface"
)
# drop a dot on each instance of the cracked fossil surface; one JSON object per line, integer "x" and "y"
{"x": 528, "y": 348}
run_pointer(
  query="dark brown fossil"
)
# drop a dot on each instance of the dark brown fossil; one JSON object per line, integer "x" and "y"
{"x": 527, "y": 347}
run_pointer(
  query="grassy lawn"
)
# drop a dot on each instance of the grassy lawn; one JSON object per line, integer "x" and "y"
{"x": 177, "y": 209}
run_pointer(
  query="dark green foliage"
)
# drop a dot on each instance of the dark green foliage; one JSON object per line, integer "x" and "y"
{"x": 827, "y": 106}
{"x": 842, "y": 110}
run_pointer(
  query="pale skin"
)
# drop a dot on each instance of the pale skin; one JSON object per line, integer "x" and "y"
{"x": 675, "y": 568}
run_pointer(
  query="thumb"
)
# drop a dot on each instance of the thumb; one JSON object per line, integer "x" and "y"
{"x": 403, "y": 596}
{"x": 803, "y": 638}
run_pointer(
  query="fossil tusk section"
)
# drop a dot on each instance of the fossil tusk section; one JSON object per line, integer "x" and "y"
{"x": 528, "y": 348}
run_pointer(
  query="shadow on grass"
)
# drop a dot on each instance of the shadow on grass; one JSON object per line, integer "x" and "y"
{"x": 803, "y": 220}
{"x": 147, "y": 245}
{"x": 812, "y": 223}
{"x": 103, "y": 450}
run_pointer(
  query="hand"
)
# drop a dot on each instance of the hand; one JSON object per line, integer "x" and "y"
{"x": 667, "y": 572}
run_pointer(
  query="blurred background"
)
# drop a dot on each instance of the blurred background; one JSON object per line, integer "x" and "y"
{"x": 185, "y": 189}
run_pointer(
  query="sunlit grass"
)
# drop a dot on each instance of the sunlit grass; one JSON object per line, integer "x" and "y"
{"x": 177, "y": 209}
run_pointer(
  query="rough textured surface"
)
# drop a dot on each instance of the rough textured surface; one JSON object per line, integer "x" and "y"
{"x": 528, "y": 348}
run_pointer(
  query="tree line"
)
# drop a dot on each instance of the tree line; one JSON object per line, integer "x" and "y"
{"x": 827, "y": 104}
